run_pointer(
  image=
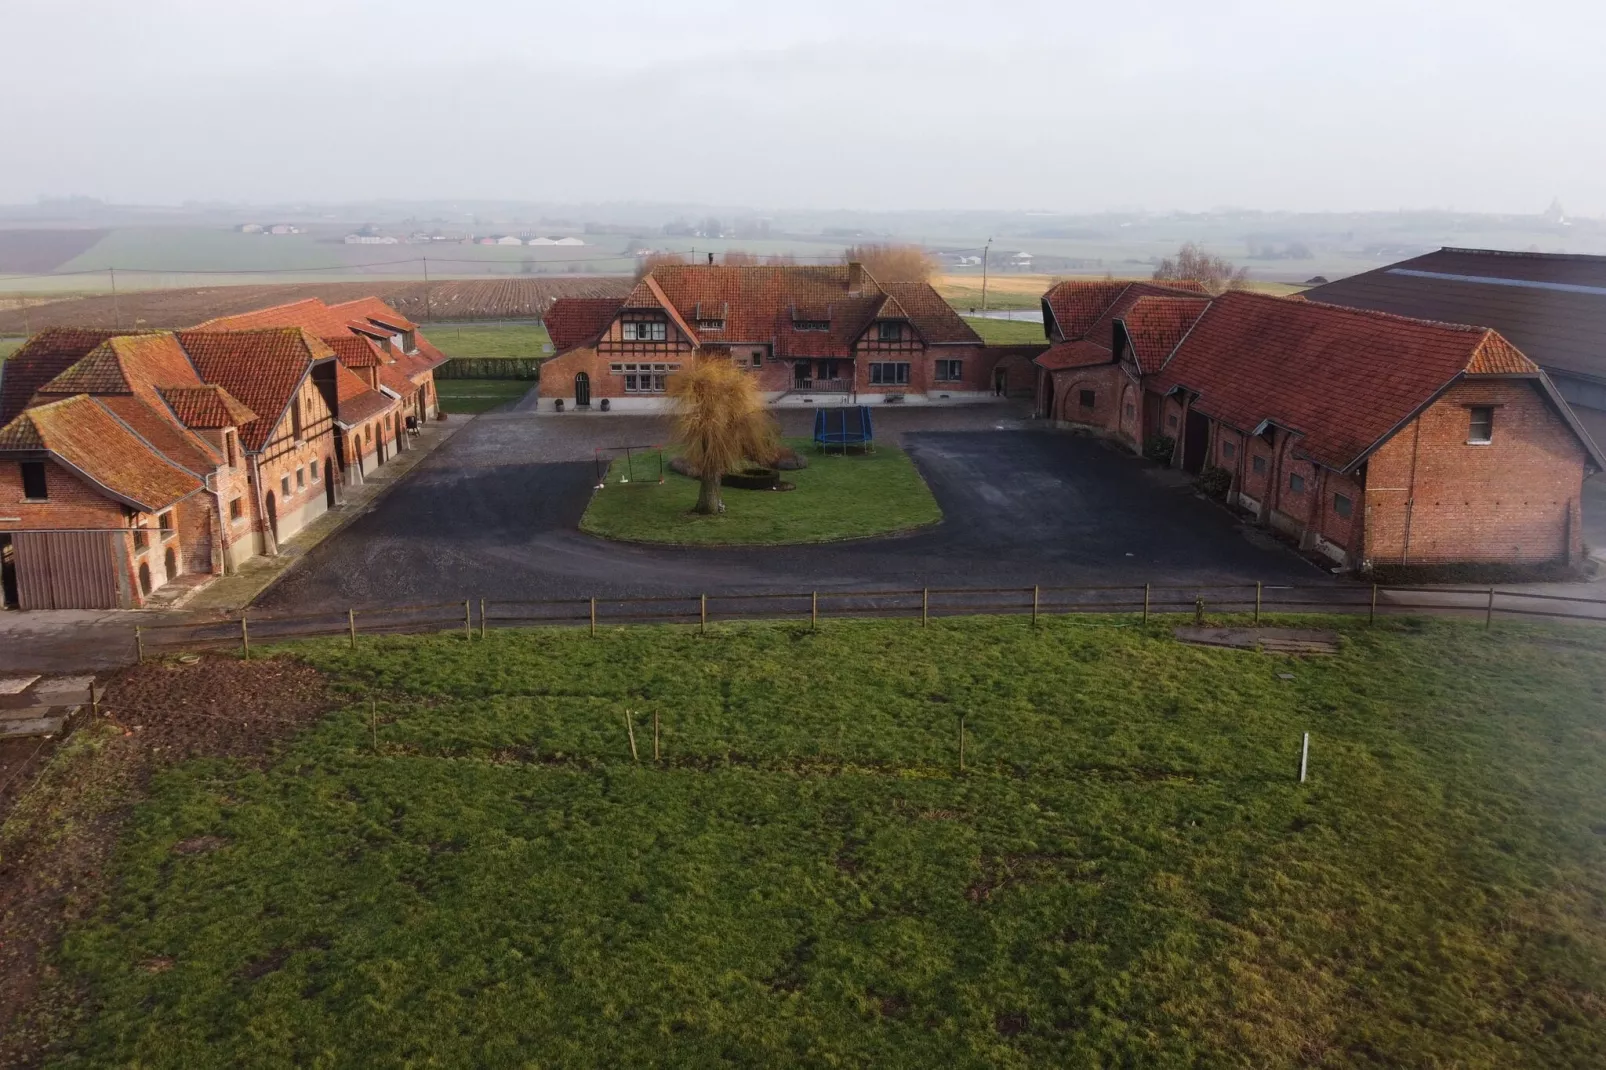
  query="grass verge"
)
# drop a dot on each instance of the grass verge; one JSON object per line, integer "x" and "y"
{"x": 479, "y": 395}
{"x": 837, "y": 497}
{"x": 1126, "y": 874}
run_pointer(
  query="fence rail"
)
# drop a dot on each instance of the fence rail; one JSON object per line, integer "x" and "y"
{"x": 477, "y": 616}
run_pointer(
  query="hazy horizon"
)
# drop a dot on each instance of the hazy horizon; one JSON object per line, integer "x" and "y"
{"x": 863, "y": 106}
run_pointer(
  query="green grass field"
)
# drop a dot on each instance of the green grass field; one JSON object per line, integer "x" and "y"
{"x": 478, "y": 395}
{"x": 837, "y": 497}
{"x": 1006, "y": 332}
{"x": 1126, "y": 874}
{"x": 9, "y": 345}
{"x": 489, "y": 340}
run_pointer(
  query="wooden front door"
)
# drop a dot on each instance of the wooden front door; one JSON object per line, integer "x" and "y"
{"x": 582, "y": 390}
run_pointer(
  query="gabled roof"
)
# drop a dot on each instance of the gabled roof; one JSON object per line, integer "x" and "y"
{"x": 311, "y": 313}
{"x": 208, "y": 407}
{"x": 362, "y": 319}
{"x": 1075, "y": 307}
{"x": 356, "y": 401}
{"x": 262, "y": 368}
{"x": 933, "y": 317}
{"x": 1078, "y": 354}
{"x": 372, "y": 308}
{"x": 84, "y": 435}
{"x": 1154, "y": 326}
{"x": 1343, "y": 380}
{"x": 1551, "y": 306}
{"x": 354, "y": 351}
{"x": 578, "y": 321}
{"x": 42, "y": 358}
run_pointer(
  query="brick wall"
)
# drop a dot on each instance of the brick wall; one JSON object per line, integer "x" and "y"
{"x": 1434, "y": 498}
{"x": 1106, "y": 382}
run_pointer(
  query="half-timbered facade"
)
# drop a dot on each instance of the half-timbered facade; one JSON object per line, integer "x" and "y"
{"x": 807, "y": 334}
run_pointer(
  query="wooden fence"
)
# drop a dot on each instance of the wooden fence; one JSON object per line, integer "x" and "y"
{"x": 475, "y": 617}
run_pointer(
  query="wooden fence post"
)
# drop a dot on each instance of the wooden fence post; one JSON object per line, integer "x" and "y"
{"x": 814, "y": 611}
{"x": 925, "y": 605}
{"x": 468, "y": 620}
{"x": 482, "y": 618}
{"x": 593, "y": 618}
{"x": 1145, "y": 603}
{"x": 1257, "y": 601}
{"x": 630, "y": 728}
{"x": 1488, "y": 613}
{"x": 1304, "y": 757}
{"x": 245, "y": 639}
{"x": 1034, "y": 605}
{"x": 702, "y": 625}
{"x": 351, "y": 622}
{"x": 1371, "y": 616}
{"x": 139, "y": 644}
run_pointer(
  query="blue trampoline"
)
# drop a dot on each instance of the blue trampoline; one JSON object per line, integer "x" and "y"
{"x": 843, "y": 428}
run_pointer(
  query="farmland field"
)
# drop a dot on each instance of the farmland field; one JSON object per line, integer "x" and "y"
{"x": 9, "y": 345}
{"x": 23, "y": 250}
{"x": 473, "y": 299}
{"x": 1126, "y": 873}
{"x": 489, "y": 339}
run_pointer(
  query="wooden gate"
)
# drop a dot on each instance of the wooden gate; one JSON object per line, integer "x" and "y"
{"x": 69, "y": 569}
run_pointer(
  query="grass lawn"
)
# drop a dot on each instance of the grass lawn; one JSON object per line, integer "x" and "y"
{"x": 1006, "y": 332}
{"x": 488, "y": 340}
{"x": 9, "y": 345}
{"x": 837, "y": 497}
{"x": 478, "y": 395}
{"x": 1127, "y": 873}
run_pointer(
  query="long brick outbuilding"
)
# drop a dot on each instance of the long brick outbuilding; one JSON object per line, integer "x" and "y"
{"x": 1373, "y": 439}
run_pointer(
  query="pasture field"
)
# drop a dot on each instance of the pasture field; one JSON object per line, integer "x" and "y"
{"x": 10, "y": 344}
{"x": 1003, "y": 290}
{"x": 463, "y": 865}
{"x": 470, "y": 396}
{"x": 1006, "y": 332}
{"x": 489, "y": 339}
{"x": 837, "y": 497}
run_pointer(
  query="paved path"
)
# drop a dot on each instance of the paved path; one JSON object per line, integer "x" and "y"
{"x": 494, "y": 514}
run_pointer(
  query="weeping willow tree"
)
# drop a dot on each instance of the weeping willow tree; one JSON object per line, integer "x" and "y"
{"x": 720, "y": 421}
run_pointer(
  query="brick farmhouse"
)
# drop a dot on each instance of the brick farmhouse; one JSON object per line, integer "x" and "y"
{"x": 1370, "y": 438}
{"x": 129, "y": 460}
{"x": 807, "y": 334}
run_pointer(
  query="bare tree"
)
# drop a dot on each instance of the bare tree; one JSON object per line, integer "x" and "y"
{"x": 645, "y": 264}
{"x": 738, "y": 258}
{"x": 780, "y": 260}
{"x": 720, "y": 421}
{"x": 1193, "y": 264}
{"x": 893, "y": 263}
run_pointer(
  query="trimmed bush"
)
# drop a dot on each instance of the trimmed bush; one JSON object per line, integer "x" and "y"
{"x": 1159, "y": 448}
{"x": 1215, "y": 482}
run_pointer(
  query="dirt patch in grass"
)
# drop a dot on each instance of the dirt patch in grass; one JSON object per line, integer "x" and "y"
{"x": 58, "y": 838}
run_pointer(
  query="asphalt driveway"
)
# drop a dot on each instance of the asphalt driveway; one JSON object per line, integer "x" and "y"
{"x": 494, "y": 514}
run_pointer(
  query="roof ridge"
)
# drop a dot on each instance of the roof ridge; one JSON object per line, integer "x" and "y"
{"x": 1369, "y": 313}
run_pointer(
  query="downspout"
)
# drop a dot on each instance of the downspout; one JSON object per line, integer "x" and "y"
{"x": 1410, "y": 491}
{"x": 270, "y": 545}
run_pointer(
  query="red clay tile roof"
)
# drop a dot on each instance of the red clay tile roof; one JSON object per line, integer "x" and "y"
{"x": 42, "y": 358}
{"x": 82, "y": 433}
{"x": 1077, "y": 306}
{"x": 262, "y": 368}
{"x": 933, "y": 317}
{"x": 393, "y": 378}
{"x": 356, "y": 401}
{"x": 372, "y": 308}
{"x": 354, "y": 351}
{"x": 577, "y": 321}
{"x": 311, "y": 313}
{"x": 336, "y": 321}
{"x": 1155, "y": 325}
{"x": 1343, "y": 379}
{"x": 1078, "y": 354}
{"x": 208, "y": 407}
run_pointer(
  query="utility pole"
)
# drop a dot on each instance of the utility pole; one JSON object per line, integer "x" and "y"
{"x": 984, "y": 251}
{"x": 117, "y": 318}
{"x": 427, "y": 315}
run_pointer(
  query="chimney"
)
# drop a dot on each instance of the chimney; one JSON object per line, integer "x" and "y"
{"x": 855, "y": 276}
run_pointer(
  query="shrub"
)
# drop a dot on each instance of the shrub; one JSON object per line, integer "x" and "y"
{"x": 1159, "y": 448}
{"x": 1215, "y": 482}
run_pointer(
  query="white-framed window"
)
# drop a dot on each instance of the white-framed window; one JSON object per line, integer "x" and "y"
{"x": 301, "y": 479}
{"x": 315, "y": 471}
{"x": 644, "y": 378}
{"x": 949, "y": 371}
{"x": 889, "y": 373}
{"x": 710, "y": 325}
{"x": 1480, "y": 430}
{"x": 284, "y": 486}
{"x": 811, "y": 325}
{"x": 646, "y": 331}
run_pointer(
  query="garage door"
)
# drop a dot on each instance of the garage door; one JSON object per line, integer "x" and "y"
{"x": 67, "y": 569}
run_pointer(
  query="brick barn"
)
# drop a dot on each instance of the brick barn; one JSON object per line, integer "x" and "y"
{"x": 808, "y": 334}
{"x": 1370, "y": 438}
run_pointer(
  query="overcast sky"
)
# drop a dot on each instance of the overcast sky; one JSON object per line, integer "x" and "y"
{"x": 1482, "y": 105}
